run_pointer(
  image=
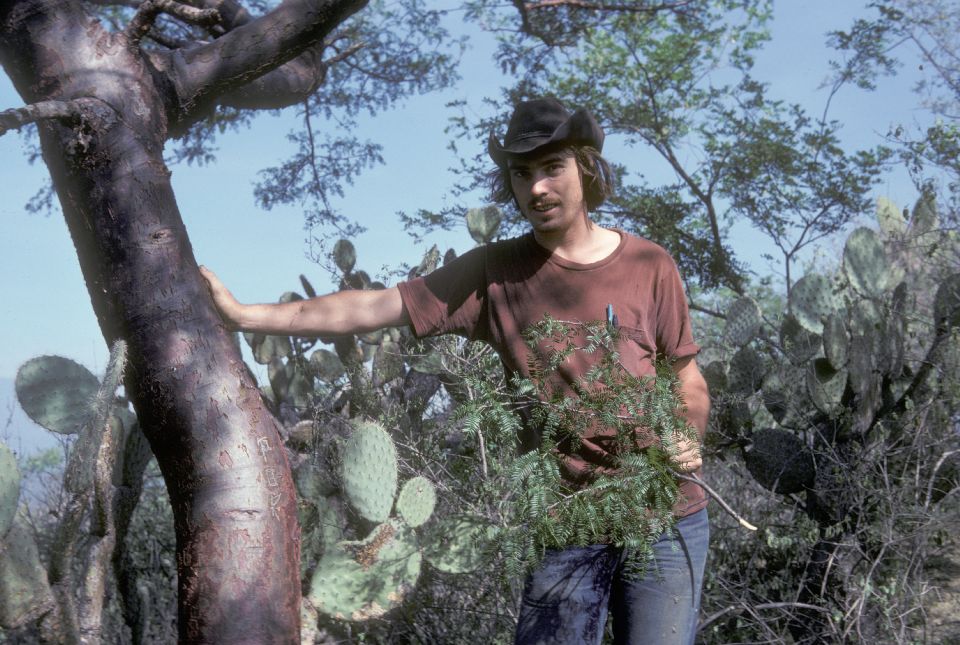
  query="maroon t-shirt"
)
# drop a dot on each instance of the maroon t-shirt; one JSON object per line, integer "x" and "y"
{"x": 494, "y": 292}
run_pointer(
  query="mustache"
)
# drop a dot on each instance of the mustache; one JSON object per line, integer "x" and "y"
{"x": 541, "y": 203}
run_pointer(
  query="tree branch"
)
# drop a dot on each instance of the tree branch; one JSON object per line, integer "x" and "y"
{"x": 16, "y": 118}
{"x": 204, "y": 74}
{"x": 149, "y": 10}
{"x": 289, "y": 84}
{"x": 605, "y": 6}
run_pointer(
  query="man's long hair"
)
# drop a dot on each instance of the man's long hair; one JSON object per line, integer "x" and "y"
{"x": 596, "y": 177}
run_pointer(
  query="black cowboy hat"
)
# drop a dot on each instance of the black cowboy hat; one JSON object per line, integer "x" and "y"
{"x": 542, "y": 122}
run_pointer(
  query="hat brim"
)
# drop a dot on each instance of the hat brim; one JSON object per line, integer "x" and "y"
{"x": 581, "y": 128}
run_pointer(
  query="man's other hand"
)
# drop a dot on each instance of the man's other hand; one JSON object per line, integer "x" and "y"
{"x": 687, "y": 459}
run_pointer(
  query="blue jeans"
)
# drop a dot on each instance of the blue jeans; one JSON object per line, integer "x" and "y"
{"x": 566, "y": 599}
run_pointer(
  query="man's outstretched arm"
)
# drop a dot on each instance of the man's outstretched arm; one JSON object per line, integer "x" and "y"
{"x": 344, "y": 312}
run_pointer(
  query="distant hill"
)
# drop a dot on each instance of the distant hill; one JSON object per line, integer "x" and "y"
{"x": 16, "y": 429}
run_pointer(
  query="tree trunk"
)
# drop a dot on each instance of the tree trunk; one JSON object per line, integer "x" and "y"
{"x": 216, "y": 443}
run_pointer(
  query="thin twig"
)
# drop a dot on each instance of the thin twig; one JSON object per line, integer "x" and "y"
{"x": 767, "y": 605}
{"x": 716, "y": 496}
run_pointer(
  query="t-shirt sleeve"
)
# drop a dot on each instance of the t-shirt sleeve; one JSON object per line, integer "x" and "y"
{"x": 674, "y": 333}
{"x": 449, "y": 300}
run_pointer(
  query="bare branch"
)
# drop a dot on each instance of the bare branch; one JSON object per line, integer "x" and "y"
{"x": 606, "y": 6}
{"x": 204, "y": 74}
{"x": 289, "y": 84}
{"x": 16, "y": 118}
{"x": 149, "y": 10}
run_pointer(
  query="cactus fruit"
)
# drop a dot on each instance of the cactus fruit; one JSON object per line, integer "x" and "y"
{"x": 56, "y": 392}
{"x": 9, "y": 489}
{"x": 780, "y": 461}
{"x": 812, "y": 298}
{"x": 798, "y": 344}
{"x": 743, "y": 322}
{"x": 366, "y": 579}
{"x": 24, "y": 591}
{"x": 483, "y": 223}
{"x": 416, "y": 501}
{"x": 368, "y": 471}
{"x": 344, "y": 255}
{"x": 746, "y": 372}
{"x": 865, "y": 263}
{"x": 457, "y": 544}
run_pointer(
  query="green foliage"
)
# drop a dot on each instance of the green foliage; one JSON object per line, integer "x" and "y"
{"x": 459, "y": 544}
{"x": 641, "y": 415}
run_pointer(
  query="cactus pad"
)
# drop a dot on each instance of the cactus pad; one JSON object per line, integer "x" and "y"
{"x": 743, "y": 322}
{"x": 780, "y": 461}
{"x": 358, "y": 581}
{"x": 24, "y": 591}
{"x": 311, "y": 482}
{"x": 368, "y": 471}
{"x": 344, "y": 255}
{"x": 267, "y": 348}
{"x": 812, "y": 298}
{"x": 483, "y": 223}
{"x": 416, "y": 501}
{"x": 457, "y": 544}
{"x": 56, "y": 392}
{"x": 387, "y": 363}
{"x": 865, "y": 263}
{"x": 862, "y": 364}
{"x": 715, "y": 374}
{"x": 746, "y": 372}
{"x": 946, "y": 305}
{"x": 798, "y": 344}
{"x": 9, "y": 489}
{"x": 825, "y": 385}
{"x": 326, "y": 365}
{"x": 835, "y": 341}
{"x": 890, "y": 218}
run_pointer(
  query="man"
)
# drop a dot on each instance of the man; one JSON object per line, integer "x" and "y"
{"x": 550, "y": 166}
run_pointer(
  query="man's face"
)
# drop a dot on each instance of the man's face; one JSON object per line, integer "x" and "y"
{"x": 548, "y": 190}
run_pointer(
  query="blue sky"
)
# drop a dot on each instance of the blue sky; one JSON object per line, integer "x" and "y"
{"x": 45, "y": 308}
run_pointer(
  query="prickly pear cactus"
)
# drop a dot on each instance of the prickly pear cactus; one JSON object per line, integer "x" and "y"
{"x": 743, "y": 322}
{"x": 359, "y": 580}
{"x": 865, "y": 263}
{"x": 24, "y": 591}
{"x": 9, "y": 489}
{"x": 416, "y": 501}
{"x": 56, "y": 392}
{"x": 344, "y": 255}
{"x": 368, "y": 471}
{"x": 812, "y": 298}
